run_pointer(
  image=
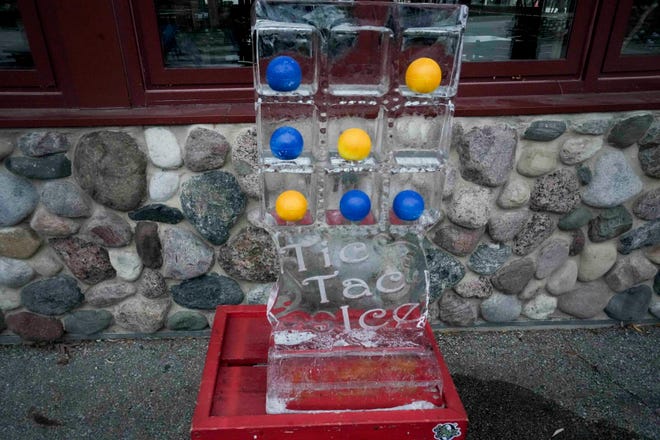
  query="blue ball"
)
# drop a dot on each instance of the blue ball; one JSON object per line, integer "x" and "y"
{"x": 286, "y": 143}
{"x": 408, "y": 205}
{"x": 283, "y": 74}
{"x": 355, "y": 205}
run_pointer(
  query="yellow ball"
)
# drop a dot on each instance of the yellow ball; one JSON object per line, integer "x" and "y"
{"x": 291, "y": 206}
{"x": 354, "y": 144}
{"x": 423, "y": 75}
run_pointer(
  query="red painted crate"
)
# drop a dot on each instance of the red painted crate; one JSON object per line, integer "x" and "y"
{"x": 232, "y": 396}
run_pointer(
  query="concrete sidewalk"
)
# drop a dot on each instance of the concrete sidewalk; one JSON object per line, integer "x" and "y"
{"x": 550, "y": 384}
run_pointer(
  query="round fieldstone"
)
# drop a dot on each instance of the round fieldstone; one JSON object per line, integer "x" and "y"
{"x": 163, "y": 185}
{"x": 652, "y": 136}
{"x": 649, "y": 160}
{"x": 500, "y": 308}
{"x": 110, "y": 167}
{"x": 10, "y": 299}
{"x": 87, "y": 261}
{"x": 207, "y": 292}
{"x": 515, "y": 194}
{"x": 536, "y": 160}
{"x": 142, "y": 315}
{"x": 451, "y": 177}
{"x": 646, "y": 235}
{"x": 259, "y": 294}
{"x": 531, "y": 290}
{"x": 628, "y": 271}
{"x": 152, "y": 284}
{"x": 38, "y": 144}
{"x": 445, "y": 271}
{"x": 656, "y": 283}
{"x": 35, "y": 328}
{"x": 126, "y": 263}
{"x": 610, "y": 223}
{"x": 470, "y": 206}
{"x": 186, "y": 320}
{"x": 595, "y": 126}
{"x": 595, "y": 260}
{"x": 250, "y": 255}
{"x": 585, "y": 176}
{"x": 157, "y": 212}
{"x": 514, "y": 276}
{"x": 18, "y": 242}
{"x": 455, "y": 239}
{"x": 54, "y": 166}
{"x": 487, "y": 154}
{"x": 66, "y": 199}
{"x": 551, "y": 256}
{"x": 18, "y": 198}
{"x": 533, "y": 232}
{"x": 614, "y": 182}
{"x": 107, "y": 228}
{"x": 557, "y": 192}
{"x": 626, "y": 131}
{"x": 456, "y": 311}
{"x": 653, "y": 254}
{"x": 205, "y": 150}
{"x": 487, "y": 258}
{"x": 474, "y": 287}
{"x": 87, "y": 322}
{"x": 52, "y": 296}
{"x": 212, "y": 202}
{"x": 540, "y": 307}
{"x": 654, "y": 309}
{"x": 575, "y": 219}
{"x": 630, "y": 305}
{"x": 245, "y": 157}
{"x": 647, "y": 206}
{"x": 185, "y": 255}
{"x": 505, "y": 226}
{"x": 578, "y": 241}
{"x": 563, "y": 279}
{"x": 578, "y": 149}
{"x": 544, "y": 131}
{"x": 164, "y": 150}
{"x": 14, "y": 273}
{"x": 148, "y": 245}
{"x": 51, "y": 225}
{"x": 586, "y": 301}
{"x": 6, "y": 147}
{"x": 45, "y": 263}
{"x": 109, "y": 292}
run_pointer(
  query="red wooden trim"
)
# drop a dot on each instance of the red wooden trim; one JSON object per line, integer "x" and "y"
{"x": 130, "y": 52}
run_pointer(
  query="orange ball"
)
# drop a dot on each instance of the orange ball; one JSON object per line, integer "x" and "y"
{"x": 354, "y": 144}
{"x": 423, "y": 75}
{"x": 291, "y": 206}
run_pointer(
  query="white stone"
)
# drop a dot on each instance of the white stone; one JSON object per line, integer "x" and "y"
{"x": 163, "y": 185}
{"x": 579, "y": 149}
{"x": 515, "y": 193}
{"x": 563, "y": 279}
{"x": 9, "y": 299}
{"x": 164, "y": 150}
{"x": 45, "y": 263}
{"x": 127, "y": 263}
{"x": 470, "y": 206}
{"x": 596, "y": 259}
{"x": 540, "y": 307}
{"x": 537, "y": 160}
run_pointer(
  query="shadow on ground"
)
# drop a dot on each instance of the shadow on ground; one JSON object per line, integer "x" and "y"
{"x": 502, "y": 410}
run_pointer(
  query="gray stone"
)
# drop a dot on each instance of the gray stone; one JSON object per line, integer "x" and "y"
{"x": 445, "y": 271}
{"x": 163, "y": 148}
{"x": 609, "y": 224}
{"x": 626, "y": 131}
{"x": 148, "y": 245}
{"x": 474, "y": 287}
{"x": 551, "y": 256}
{"x": 649, "y": 160}
{"x": 515, "y": 193}
{"x": 186, "y": 320}
{"x": 51, "y": 225}
{"x": 540, "y": 307}
{"x": 578, "y": 241}
{"x": 544, "y": 131}
{"x": 514, "y": 276}
{"x": 250, "y": 255}
{"x": 487, "y": 258}
{"x": 655, "y": 309}
{"x": 487, "y": 154}
{"x": 205, "y": 150}
{"x": 533, "y": 289}
{"x": 652, "y": 136}
{"x": 470, "y": 206}
{"x": 646, "y": 235}
{"x": 6, "y": 147}
{"x": 212, "y": 202}
{"x": 87, "y": 322}
{"x": 578, "y": 149}
{"x": 563, "y": 279}
{"x": 10, "y": 299}
{"x": 45, "y": 263}
{"x": 39, "y": 143}
{"x": 108, "y": 229}
{"x": 653, "y": 254}
{"x": 66, "y": 199}
{"x": 54, "y": 166}
{"x": 151, "y": 284}
{"x": 14, "y": 273}
{"x": 505, "y": 226}
{"x": 596, "y": 259}
{"x": 628, "y": 271}
{"x": 18, "y": 242}
{"x": 185, "y": 255}
{"x": 207, "y": 292}
{"x": 126, "y": 263}
{"x": 585, "y": 176}
{"x": 647, "y": 206}
{"x": 630, "y": 305}
{"x": 35, "y": 328}
{"x": 575, "y": 219}
{"x": 87, "y": 261}
{"x": 590, "y": 126}
{"x": 537, "y": 160}
{"x": 142, "y": 315}
{"x": 451, "y": 177}
{"x": 157, "y": 212}
{"x": 456, "y": 311}
{"x": 586, "y": 301}
{"x": 534, "y": 232}
{"x": 52, "y": 296}
{"x": 455, "y": 239}
{"x": 557, "y": 192}
{"x": 500, "y": 308}
{"x": 245, "y": 156}
{"x": 163, "y": 185}
{"x": 109, "y": 292}
{"x": 110, "y": 167}
{"x": 614, "y": 183}
{"x": 18, "y": 198}
{"x": 259, "y": 294}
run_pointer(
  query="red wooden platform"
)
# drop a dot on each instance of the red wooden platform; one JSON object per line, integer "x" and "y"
{"x": 232, "y": 396}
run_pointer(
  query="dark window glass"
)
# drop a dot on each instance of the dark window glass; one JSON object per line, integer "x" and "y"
{"x": 14, "y": 47}
{"x": 643, "y": 32}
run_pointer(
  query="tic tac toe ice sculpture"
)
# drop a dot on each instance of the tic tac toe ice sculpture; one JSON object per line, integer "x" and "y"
{"x": 354, "y": 122}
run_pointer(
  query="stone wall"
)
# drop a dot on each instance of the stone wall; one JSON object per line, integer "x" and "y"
{"x": 137, "y": 229}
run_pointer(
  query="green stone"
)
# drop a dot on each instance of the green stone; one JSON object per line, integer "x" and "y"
{"x": 577, "y": 218}
{"x": 627, "y": 131}
{"x": 610, "y": 223}
{"x": 186, "y": 320}
{"x": 584, "y": 174}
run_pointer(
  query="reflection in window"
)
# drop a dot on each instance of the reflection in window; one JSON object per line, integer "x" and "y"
{"x": 643, "y": 33}
{"x": 14, "y": 47}
{"x": 502, "y": 30}
{"x": 204, "y": 33}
